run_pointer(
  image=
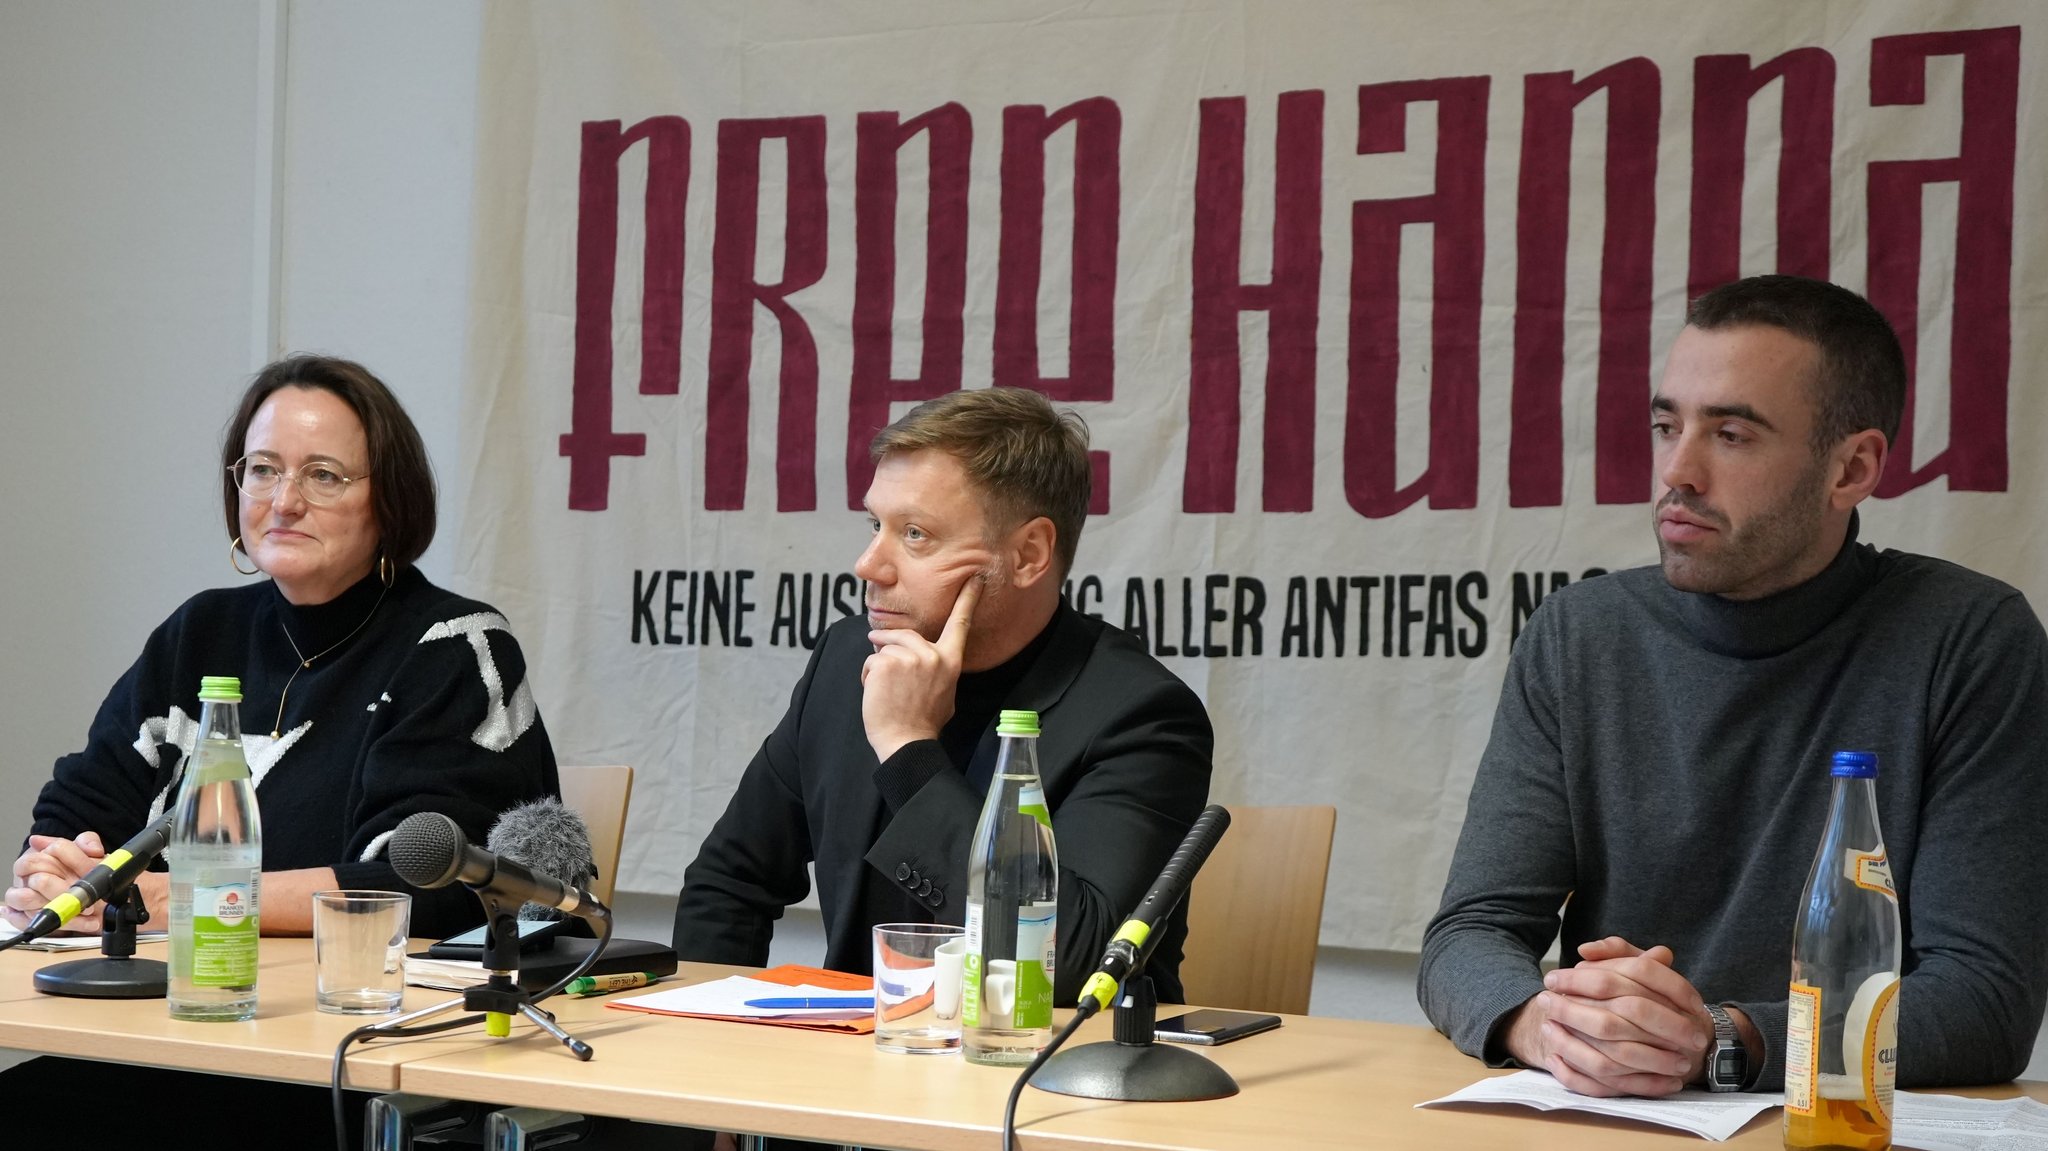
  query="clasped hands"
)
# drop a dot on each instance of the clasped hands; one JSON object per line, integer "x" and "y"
{"x": 907, "y": 685}
{"x": 1621, "y": 1022}
{"x": 48, "y": 869}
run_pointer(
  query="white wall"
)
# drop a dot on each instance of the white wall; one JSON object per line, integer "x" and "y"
{"x": 379, "y": 146}
{"x": 187, "y": 189}
{"x": 190, "y": 189}
{"x": 126, "y": 317}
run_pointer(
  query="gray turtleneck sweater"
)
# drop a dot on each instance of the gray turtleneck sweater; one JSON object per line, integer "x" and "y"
{"x": 1661, "y": 758}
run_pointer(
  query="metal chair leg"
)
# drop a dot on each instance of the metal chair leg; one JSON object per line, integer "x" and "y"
{"x": 392, "y": 1122}
{"x": 532, "y": 1128}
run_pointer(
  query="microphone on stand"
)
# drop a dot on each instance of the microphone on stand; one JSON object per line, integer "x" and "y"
{"x": 429, "y": 850}
{"x": 114, "y": 872}
{"x": 116, "y": 973}
{"x": 1133, "y": 1067}
{"x": 1132, "y": 945}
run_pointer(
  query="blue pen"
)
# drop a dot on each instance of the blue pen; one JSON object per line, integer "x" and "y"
{"x": 839, "y": 1003}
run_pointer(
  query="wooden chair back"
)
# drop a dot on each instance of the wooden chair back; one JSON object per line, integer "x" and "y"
{"x": 600, "y": 795}
{"x": 1256, "y": 908}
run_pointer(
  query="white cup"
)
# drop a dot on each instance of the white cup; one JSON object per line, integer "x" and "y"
{"x": 952, "y": 962}
{"x": 999, "y": 993}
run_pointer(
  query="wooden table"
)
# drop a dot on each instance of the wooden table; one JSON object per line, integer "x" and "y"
{"x": 1315, "y": 1083}
{"x": 288, "y": 1040}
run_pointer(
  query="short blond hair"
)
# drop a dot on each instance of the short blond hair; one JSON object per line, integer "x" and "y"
{"x": 1025, "y": 457}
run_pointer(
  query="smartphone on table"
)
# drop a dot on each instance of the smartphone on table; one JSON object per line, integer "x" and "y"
{"x": 534, "y": 934}
{"x": 1209, "y": 1027}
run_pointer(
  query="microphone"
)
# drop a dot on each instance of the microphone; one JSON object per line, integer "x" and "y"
{"x": 429, "y": 850}
{"x": 1127, "y": 950}
{"x": 118, "y": 868}
{"x": 550, "y": 839}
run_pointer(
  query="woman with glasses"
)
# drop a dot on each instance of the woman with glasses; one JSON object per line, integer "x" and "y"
{"x": 368, "y": 694}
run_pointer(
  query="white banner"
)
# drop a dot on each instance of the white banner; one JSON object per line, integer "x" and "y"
{"x": 1362, "y": 303}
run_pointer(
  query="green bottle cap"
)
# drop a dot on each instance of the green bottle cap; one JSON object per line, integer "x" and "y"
{"x": 220, "y": 689}
{"x": 1017, "y": 723}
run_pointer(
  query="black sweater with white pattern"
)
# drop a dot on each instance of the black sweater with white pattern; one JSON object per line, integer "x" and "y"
{"x": 426, "y": 708}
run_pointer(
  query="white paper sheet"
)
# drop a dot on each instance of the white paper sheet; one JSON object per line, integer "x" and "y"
{"x": 72, "y": 942}
{"x": 1713, "y": 1114}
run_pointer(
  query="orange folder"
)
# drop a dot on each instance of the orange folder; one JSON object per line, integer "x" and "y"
{"x": 789, "y": 975}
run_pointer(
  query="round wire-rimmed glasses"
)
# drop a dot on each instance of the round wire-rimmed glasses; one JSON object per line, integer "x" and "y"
{"x": 320, "y": 484}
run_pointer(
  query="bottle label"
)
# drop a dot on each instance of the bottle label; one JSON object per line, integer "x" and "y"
{"x": 1870, "y": 1041}
{"x": 1031, "y": 802}
{"x": 1035, "y": 946}
{"x": 1802, "y": 1044}
{"x": 1871, "y": 871}
{"x": 970, "y": 971}
{"x": 224, "y": 926}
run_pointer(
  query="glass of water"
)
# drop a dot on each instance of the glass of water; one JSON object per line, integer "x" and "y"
{"x": 359, "y": 950}
{"x": 917, "y": 987}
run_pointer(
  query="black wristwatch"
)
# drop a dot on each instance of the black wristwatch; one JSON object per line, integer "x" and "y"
{"x": 1728, "y": 1059}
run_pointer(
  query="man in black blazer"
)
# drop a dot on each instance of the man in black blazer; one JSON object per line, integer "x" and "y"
{"x": 878, "y": 771}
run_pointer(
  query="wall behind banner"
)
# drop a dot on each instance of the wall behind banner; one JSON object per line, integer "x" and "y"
{"x": 189, "y": 191}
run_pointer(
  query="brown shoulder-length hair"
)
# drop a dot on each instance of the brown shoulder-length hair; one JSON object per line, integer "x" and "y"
{"x": 402, "y": 492}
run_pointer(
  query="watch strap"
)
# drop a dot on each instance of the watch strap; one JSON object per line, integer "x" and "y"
{"x": 1727, "y": 1059}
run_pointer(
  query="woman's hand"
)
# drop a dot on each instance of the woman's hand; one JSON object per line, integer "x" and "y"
{"x": 46, "y": 870}
{"x": 51, "y": 865}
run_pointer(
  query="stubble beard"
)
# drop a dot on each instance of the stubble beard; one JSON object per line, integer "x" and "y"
{"x": 1748, "y": 560}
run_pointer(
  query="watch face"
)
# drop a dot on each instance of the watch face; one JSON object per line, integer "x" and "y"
{"x": 1729, "y": 1065}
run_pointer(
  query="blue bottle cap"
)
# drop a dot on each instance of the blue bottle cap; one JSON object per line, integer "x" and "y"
{"x": 1855, "y": 765}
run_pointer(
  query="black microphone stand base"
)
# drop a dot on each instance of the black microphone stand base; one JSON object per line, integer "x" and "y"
{"x": 1154, "y": 1073}
{"x": 102, "y": 977}
{"x": 115, "y": 973}
{"x": 1134, "y": 1068}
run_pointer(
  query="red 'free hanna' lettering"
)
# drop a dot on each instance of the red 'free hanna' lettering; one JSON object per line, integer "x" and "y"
{"x": 1556, "y": 105}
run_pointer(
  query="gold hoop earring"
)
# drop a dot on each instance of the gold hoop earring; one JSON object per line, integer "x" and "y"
{"x": 235, "y": 545}
{"x": 387, "y": 572}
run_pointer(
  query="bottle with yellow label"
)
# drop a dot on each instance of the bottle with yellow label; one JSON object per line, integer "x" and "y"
{"x": 1842, "y": 1034}
{"x": 216, "y": 857}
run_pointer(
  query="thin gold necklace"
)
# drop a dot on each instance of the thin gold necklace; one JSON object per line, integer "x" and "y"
{"x": 305, "y": 662}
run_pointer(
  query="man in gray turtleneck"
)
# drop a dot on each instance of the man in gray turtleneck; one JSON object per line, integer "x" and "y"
{"x": 1657, "y": 777}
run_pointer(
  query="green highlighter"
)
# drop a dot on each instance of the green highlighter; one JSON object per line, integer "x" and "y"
{"x": 584, "y": 985}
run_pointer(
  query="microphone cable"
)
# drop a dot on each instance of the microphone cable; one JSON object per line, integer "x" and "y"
{"x": 371, "y": 1031}
{"x": 1081, "y": 1015}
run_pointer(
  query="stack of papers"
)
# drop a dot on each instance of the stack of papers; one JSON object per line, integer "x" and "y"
{"x": 1953, "y": 1123}
{"x": 727, "y": 999}
{"x": 443, "y": 974}
{"x": 1713, "y": 1114}
{"x": 72, "y": 942}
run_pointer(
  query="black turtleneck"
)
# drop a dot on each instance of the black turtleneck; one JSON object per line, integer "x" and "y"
{"x": 1658, "y": 770}
{"x": 396, "y": 715}
{"x": 1781, "y": 621}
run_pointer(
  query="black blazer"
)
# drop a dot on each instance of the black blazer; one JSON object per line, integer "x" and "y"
{"x": 1124, "y": 755}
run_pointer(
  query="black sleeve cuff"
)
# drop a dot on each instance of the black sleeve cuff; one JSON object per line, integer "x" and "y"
{"x": 903, "y": 775}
